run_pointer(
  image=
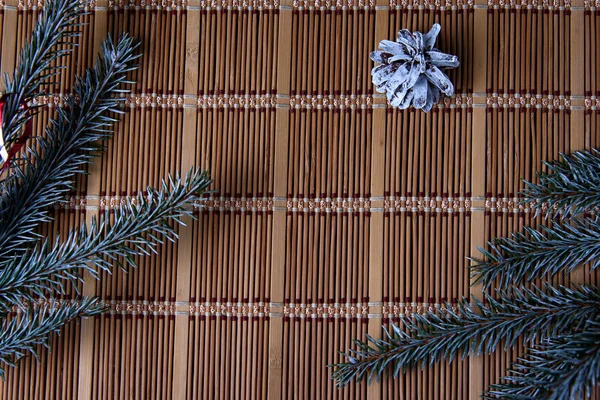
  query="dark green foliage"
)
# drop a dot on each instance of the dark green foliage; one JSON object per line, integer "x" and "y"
{"x": 135, "y": 231}
{"x": 537, "y": 253}
{"x": 33, "y": 269}
{"x": 22, "y": 334}
{"x": 561, "y": 325}
{"x": 571, "y": 186}
{"x": 533, "y": 314}
{"x": 70, "y": 142}
{"x": 564, "y": 367}
{"x": 57, "y": 26}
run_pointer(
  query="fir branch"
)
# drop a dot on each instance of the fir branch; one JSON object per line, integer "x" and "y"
{"x": 533, "y": 254}
{"x": 136, "y": 229}
{"x": 68, "y": 146}
{"x": 533, "y": 314}
{"x": 571, "y": 186}
{"x": 565, "y": 367}
{"x": 52, "y": 38}
{"x": 21, "y": 335}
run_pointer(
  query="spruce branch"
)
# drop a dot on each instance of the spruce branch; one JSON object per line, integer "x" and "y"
{"x": 533, "y": 314}
{"x": 21, "y": 335}
{"x": 69, "y": 144}
{"x": 542, "y": 253}
{"x": 565, "y": 367}
{"x": 133, "y": 230}
{"x": 52, "y": 38}
{"x": 32, "y": 269}
{"x": 561, "y": 325}
{"x": 571, "y": 186}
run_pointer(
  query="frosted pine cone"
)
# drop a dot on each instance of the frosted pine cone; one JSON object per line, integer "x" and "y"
{"x": 411, "y": 70}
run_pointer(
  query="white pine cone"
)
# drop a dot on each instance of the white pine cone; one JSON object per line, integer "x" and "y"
{"x": 411, "y": 70}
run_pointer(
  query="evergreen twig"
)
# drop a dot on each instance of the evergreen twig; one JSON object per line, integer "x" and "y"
{"x": 539, "y": 253}
{"x": 533, "y": 314}
{"x": 561, "y": 325}
{"x": 70, "y": 141}
{"x": 565, "y": 367}
{"x": 134, "y": 231}
{"x": 22, "y": 334}
{"x": 571, "y": 187}
{"x": 52, "y": 38}
{"x": 32, "y": 269}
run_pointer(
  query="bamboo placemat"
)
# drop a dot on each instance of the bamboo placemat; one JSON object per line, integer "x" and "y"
{"x": 332, "y": 213}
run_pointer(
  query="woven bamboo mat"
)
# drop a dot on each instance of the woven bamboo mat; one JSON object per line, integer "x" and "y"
{"x": 333, "y": 214}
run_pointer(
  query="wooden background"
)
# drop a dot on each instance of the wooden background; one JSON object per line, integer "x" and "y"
{"x": 333, "y": 214}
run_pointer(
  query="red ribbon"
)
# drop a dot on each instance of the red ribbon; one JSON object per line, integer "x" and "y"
{"x": 5, "y": 155}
